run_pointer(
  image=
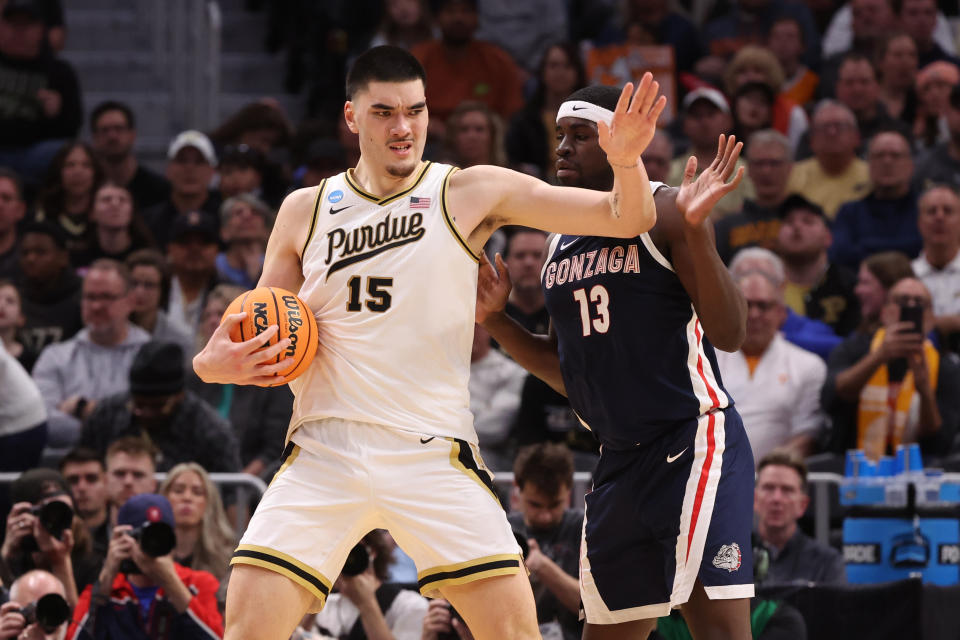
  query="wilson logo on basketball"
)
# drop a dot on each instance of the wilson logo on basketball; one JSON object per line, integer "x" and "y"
{"x": 294, "y": 322}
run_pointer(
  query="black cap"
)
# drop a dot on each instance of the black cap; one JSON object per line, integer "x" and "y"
{"x": 242, "y": 155}
{"x": 199, "y": 222}
{"x": 33, "y": 8}
{"x": 157, "y": 370}
{"x": 761, "y": 87}
{"x": 796, "y": 201}
{"x": 36, "y": 484}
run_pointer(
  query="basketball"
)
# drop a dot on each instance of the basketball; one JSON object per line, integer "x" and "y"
{"x": 266, "y": 306}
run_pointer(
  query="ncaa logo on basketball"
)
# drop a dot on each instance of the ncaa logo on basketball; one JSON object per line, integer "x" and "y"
{"x": 728, "y": 557}
{"x": 335, "y": 196}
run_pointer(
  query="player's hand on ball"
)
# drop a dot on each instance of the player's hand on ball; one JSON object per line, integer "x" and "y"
{"x": 697, "y": 198}
{"x": 224, "y": 361}
{"x": 634, "y": 122}
{"x": 493, "y": 287}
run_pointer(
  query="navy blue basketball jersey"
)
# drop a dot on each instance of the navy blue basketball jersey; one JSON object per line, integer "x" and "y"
{"x": 633, "y": 355}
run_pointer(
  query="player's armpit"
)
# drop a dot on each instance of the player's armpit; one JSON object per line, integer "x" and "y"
{"x": 281, "y": 266}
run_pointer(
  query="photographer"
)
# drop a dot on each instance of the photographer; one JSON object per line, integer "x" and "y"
{"x": 893, "y": 386}
{"x": 42, "y": 535}
{"x": 363, "y": 606}
{"x": 139, "y": 595}
{"x": 22, "y": 617}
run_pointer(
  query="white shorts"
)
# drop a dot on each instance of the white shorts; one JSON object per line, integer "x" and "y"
{"x": 341, "y": 479}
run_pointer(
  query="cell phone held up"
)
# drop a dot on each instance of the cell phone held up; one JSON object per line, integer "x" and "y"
{"x": 912, "y": 314}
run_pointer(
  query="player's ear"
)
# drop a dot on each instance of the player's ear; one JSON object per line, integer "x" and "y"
{"x": 350, "y": 116}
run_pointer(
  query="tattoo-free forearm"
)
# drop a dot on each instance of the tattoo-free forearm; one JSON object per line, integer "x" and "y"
{"x": 535, "y": 353}
{"x": 720, "y": 304}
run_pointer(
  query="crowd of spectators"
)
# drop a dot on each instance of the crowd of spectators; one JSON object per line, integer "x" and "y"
{"x": 112, "y": 275}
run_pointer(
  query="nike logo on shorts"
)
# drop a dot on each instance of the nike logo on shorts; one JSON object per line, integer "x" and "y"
{"x": 674, "y": 457}
{"x": 426, "y": 440}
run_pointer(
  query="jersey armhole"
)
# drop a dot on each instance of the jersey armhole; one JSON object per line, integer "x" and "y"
{"x": 654, "y": 252}
{"x": 448, "y": 219}
{"x": 313, "y": 218}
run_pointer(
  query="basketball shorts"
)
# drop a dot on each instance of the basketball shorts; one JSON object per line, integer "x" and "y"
{"x": 341, "y": 479}
{"x": 664, "y": 514}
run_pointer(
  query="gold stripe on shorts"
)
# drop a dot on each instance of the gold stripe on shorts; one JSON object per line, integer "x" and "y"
{"x": 463, "y": 572}
{"x": 285, "y": 565}
{"x": 461, "y": 457}
{"x": 290, "y": 454}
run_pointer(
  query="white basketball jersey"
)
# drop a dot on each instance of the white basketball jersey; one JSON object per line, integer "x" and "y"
{"x": 393, "y": 286}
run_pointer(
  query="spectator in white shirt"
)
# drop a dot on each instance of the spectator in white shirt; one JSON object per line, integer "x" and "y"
{"x": 938, "y": 266}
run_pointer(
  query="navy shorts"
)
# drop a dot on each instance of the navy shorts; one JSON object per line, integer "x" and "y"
{"x": 664, "y": 514}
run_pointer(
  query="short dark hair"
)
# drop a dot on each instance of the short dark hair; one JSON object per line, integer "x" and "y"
{"x": 513, "y": 232}
{"x": 132, "y": 446}
{"x": 45, "y": 228}
{"x": 855, "y": 56}
{"x": 598, "y": 94}
{"x": 112, "y": 105}
{"x": 548, "y": 466}
{"x": 385, "y": 63}
{"x": 152, "y": 258}
{"x": 14, "y": 178}
{"x": 81, "y": 455}
{"x": 785, "y": 458}
{"x": 109, "y": 264}
{"x": 377, "y": 541}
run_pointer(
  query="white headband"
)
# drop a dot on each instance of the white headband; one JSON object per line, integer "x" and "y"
{"x": 585, "y": 110}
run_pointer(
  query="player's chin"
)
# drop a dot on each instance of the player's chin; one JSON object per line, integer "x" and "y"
{"x": 402, "y": 169}
{"x": 568, "y": 177}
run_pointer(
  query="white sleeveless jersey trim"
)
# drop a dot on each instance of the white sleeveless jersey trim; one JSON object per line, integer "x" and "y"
{"x": 449, "y": 219}
{"x": 394, "y": 297}
{"x": 313, "y": 217}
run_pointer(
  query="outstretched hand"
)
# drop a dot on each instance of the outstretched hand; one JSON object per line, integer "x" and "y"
{"x": 634, "y": 122}
{"x": 697, "y": 198}
{"x": 493, "y": 287}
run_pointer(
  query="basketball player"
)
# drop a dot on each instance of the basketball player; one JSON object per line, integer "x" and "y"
{"x": 386, "y": 256}
{"x": 632, "y": 327}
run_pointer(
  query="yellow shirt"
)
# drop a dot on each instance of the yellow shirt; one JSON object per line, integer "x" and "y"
{"x": 809, "y": 180}
{"x": 794, "y": 295}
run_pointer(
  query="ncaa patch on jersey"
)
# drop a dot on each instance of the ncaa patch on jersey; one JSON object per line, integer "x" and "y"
{"x": 335, "y": 196}
{"x": 728, "y": 557}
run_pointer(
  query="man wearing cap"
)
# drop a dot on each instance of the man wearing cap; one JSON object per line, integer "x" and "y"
{"x": 140, "y": 596}
{"x": 192, "y": 254}
{"x": 706, "y": 115}
{"x": 40, "y": 105}
{"x": 191, "y": 163}
{"x": 180, "y": 425}
{"x": 814, "y": 286}
{"x": 74, "y": 375}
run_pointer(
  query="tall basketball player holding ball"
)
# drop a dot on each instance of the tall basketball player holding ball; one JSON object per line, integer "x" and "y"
{"x": 386, "y": 256}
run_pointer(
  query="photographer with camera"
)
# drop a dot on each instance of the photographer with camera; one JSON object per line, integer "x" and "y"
{"x": 363, "y": 605}
{"x": 894, "y": 387}
{"x": 43, "y": 533}
{"x": 37, "y": 609}
{"x": 141, "y": 591}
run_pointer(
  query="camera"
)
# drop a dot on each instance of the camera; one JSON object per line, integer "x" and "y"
{"x": 357, "y": 561}
{"x": 452, "y": 634}
{"x": 155, "y": 538}
{"x": 50, "y": 611}
{"x": 54, "y": 516}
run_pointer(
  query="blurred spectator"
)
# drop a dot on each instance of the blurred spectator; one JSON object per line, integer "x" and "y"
{"x": 153, "y": 594}
{"x": 543, "y": 476}
{"x": 939, "y": 264}
{"x": 260, "y": 125}
{"x": 205, "y": 540}
{"x": 531, "y": 137}
{"x": 12, "y": 210}
{"x": 117, "y": 229}
{"x": 23, "y": 418}
{"x": 150, "y": 277}
{"x": 495, "y": 384}
{"x": 886, "y": 220}
{"x": 522, "y": 29}
{"x": 113, "y": 131}
{"x": 657, "y": 157}
{"x": 130, "y": 471}
{"x": 259, "y": 415}
{"x": 11, "y": 323}
{"x": 192, "y": 253}
{"x": 757, "y": 224}
{"x": 363, "y": 604}
{"x": 706, "y": 114}
{"x": 654, "y": 22}
{"x": 785, "y": 41}
{"x": 322, "y": 159}
{"x": 546, "y": 416}
{"x": 191, "y": 164}
{"x": 758, "y": 64}
{"x": 934, "y": 83}
{"x": 84, "y": 471}
{"x": 405, "y": 23}
{"x": 834, "y": 174}
{"x": 749, "y": 21}
{"x": 241, "y": 171}
{"x": 815, "y": 287}
{"x": 919, "y": 19}
{"x": 245, "y": 223}
{"x": 524, "y": 255}
{"x": 67, "y": 197}
{"x": 857, "y": 26}
{"x": 892, "y": 386}
{"x": 75, "y": 375}
{"x": 896, "y": 64}
{"x": 941, "y": 165}
{"x": 780, "y": 499}
{"x": 858, "y": 88}
{"x": 776, "y": 384}
{"x": 27, "y": 590}
{"x": 463, "y": 68}
{"x": 180, "y": 425}
{"x": 474, "y": 135}
{"x": 40, "y": 97}
{"x": 440, "y": 623}
{"x": 752, "y": 106}
{"x": 49, "y": 287}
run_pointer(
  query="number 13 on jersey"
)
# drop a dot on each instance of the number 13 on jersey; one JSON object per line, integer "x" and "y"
{"x": 601, "y": 301}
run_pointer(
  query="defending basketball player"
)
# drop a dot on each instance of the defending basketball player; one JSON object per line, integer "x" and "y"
{"x": 633, "y": 322}
{"x": 386, "y": 256}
